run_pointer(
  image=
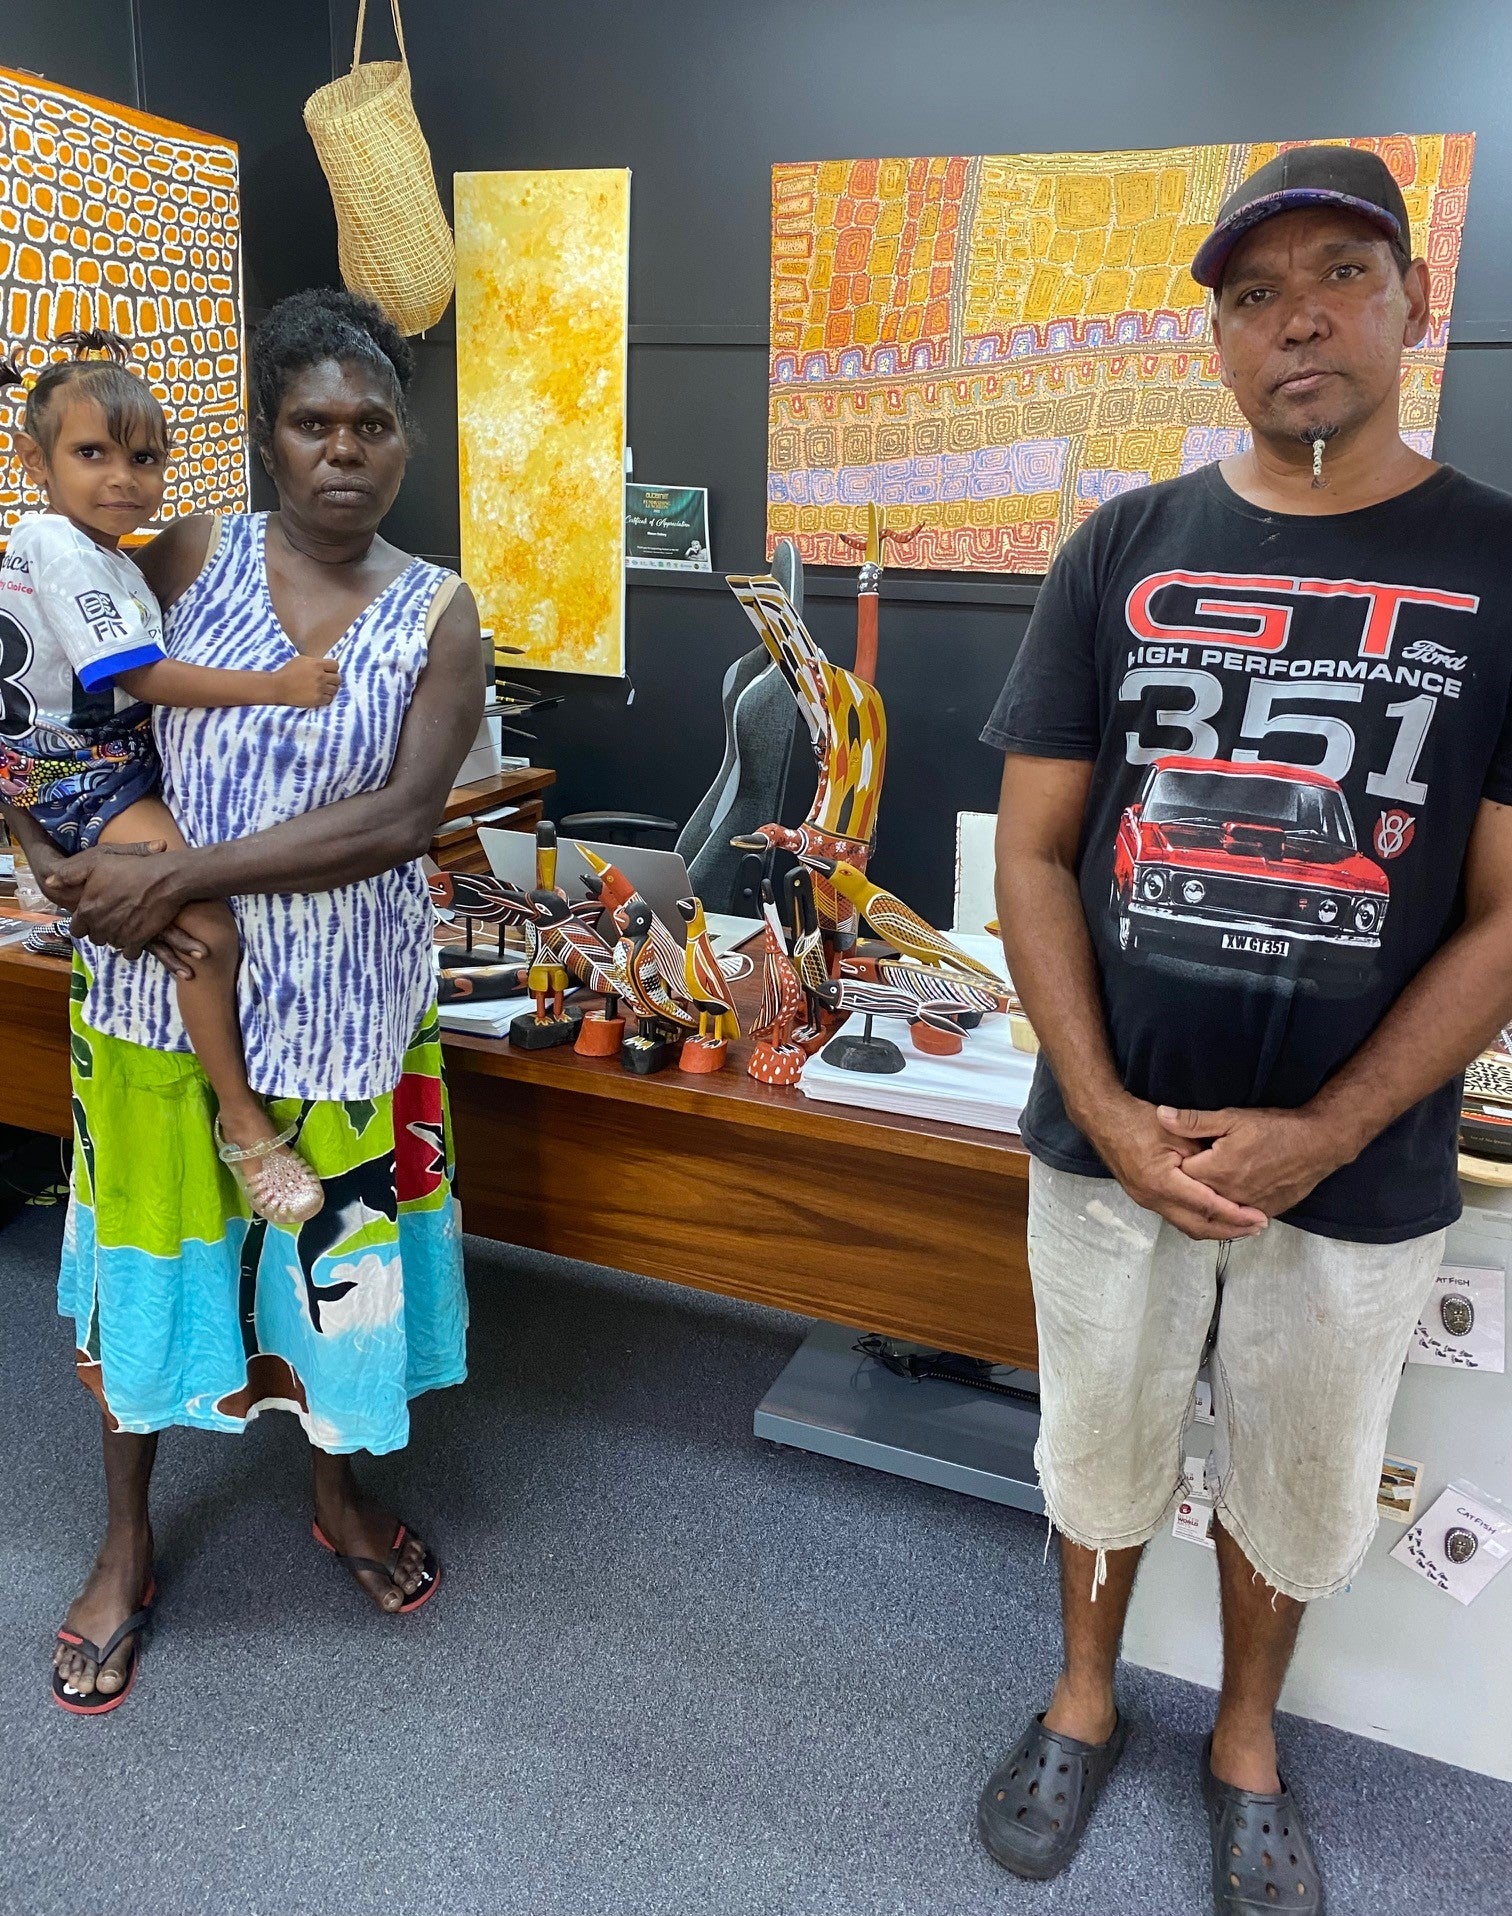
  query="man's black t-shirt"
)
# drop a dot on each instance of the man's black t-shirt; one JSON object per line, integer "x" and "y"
{"x": 1293, "y": 721}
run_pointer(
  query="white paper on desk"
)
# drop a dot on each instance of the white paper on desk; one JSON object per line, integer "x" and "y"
{"x": 1484, "y": 1345}
{"x": 1423, "y": 1550}
{"x": 986, "y": 1084}
{"x": 484, "y": 1018}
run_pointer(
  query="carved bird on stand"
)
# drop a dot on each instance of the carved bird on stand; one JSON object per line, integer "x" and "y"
{"x": 704, "y": 979}
{"x": 777, "y": 1059}
{"x": 898, "y": 923}
{"x": 650, "y": 959}
{"x": 915, "y": 991}
{"x": 491, "y": 901}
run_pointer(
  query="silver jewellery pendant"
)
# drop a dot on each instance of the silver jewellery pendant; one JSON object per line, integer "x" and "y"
{"x": 1460, "y": 1545}
{"x": 1457, "y": 1315}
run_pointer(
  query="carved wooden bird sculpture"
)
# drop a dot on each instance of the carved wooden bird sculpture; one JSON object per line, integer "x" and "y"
{"x": 491, "y": 901}
{"x": 570, "y": 934}
{"x": 810, "y": 960}
{"x": 928, "y": 981}
{"x": 776, "y": 1058}
{"x": 915, "y": 991}
{"x": 704, "y": 980}
{"x": 652, "y": 962}
{"x": 891, "y": 919}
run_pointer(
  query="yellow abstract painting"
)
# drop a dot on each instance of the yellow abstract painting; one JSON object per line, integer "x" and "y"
{"x": 988, "y": 348}
{"x": 542, "y": 336}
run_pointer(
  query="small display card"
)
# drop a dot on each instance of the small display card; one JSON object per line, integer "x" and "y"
{"x": 1401, "y": 1480}
{"x": 667, "y": 528}
{"x": 1464, "y": 1322}
{"x": 1194, "y": 1514}
{"x": 1459, "y": 1545}
{"x": 1194, "y": 1522}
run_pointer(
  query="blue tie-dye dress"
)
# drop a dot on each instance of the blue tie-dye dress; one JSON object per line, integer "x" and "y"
{"x": 187, "y": 1310}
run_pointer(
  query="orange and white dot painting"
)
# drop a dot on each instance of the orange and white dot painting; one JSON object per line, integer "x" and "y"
{"x": 111, "y": 218}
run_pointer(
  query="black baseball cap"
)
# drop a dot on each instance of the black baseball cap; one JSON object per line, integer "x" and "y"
{"x": 1347, "y": 176}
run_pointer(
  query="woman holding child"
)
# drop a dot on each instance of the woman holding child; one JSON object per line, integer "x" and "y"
{"x": 205, "y": 1280}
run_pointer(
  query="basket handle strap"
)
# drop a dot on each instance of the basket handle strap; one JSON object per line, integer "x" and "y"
{"x": 398, "y": 31}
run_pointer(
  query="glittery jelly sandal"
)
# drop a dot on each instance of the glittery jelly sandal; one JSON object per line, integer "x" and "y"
{"x": 279, "y": 1185}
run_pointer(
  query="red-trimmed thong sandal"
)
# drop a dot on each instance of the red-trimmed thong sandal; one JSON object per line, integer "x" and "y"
{"x": 430, "y": 1569}
{"x": 78, "y": 1702}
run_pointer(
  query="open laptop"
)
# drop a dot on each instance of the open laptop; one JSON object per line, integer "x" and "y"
{"x": 660, "y": 877}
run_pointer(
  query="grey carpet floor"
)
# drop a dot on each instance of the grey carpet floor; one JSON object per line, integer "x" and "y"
{"x": 672, "y": 1669}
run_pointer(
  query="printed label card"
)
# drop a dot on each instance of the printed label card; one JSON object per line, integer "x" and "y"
{"x": 1464, "y": 1322}
{"x": 1401, "y": 1479}
{"x": 1459, "y": 1545}
{"x": 1194, "y": 1522}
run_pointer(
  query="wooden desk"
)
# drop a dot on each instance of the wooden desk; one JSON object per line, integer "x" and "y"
{"x": 510, "y": 799}
{"x": 885, "y": 1223}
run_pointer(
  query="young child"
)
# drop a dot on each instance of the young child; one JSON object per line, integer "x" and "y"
{"x": 82, "y": 659}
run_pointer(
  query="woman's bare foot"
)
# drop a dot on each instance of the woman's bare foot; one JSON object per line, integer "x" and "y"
{"x": 357, "y": 1527}
{"x": 112, "y": 1590}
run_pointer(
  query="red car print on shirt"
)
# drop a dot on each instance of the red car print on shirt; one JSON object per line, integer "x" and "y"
{"x": 1249, "y": 866}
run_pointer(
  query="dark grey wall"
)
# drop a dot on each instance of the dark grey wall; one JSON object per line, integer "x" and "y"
{"x": 242, "y": 70}
{"x": 700, "y": 101}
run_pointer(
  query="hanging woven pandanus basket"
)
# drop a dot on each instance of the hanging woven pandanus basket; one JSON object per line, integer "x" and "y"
{"x": 395, "y": 244}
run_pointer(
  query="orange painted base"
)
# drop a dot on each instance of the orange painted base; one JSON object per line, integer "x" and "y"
{"x": 933, "y": 1042}
{"x": 702, "y": 1055}
{"x": 776, "y": 1063}
{"x": 598, "y": 1036}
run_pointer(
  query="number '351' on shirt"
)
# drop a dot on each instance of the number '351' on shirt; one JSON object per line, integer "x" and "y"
{"x": 1292, "y": 722}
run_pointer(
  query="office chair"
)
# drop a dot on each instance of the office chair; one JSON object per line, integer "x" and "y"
{"x": 760, "y": 717}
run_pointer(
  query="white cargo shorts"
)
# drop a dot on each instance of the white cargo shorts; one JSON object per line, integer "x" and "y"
{"x": 1311, "y": 1336}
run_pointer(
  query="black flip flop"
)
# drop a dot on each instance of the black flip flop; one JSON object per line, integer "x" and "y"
{"x": 1039, "y": 1798}
{"x": 430, "y": 1569}
{"x": 1261, "y": 1856}
{"x": 76, "y": 1702}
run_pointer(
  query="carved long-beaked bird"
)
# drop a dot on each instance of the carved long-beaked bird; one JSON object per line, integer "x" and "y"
{"x": 491, "y": 901}
{"x": 898, "y": 923}
{"x": 777, "y": 1058}
{"x": 915, "y": 991}
{"x": 847, "y": 723}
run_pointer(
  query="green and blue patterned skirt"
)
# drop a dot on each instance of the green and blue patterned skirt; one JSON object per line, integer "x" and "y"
{"x": 188, "y": 1310}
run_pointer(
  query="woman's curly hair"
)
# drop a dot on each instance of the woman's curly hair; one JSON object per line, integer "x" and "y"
{"x": 310, "y": 327}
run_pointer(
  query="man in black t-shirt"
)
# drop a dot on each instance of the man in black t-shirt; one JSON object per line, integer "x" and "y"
{"x": 1255, "y": 880}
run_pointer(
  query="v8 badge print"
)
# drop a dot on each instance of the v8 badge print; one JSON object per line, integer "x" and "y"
{"x": 1393, "y": 833}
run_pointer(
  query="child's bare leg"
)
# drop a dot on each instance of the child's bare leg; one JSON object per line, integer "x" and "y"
{"x": 207, "y": 1001}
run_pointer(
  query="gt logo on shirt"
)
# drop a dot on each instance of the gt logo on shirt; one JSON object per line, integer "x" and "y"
{"x": 1259, "y": 627}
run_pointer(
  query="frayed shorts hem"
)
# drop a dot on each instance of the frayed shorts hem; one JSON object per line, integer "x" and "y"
{"x": 1283, "y": 1585}
{"x": 1127, "y": 1540}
